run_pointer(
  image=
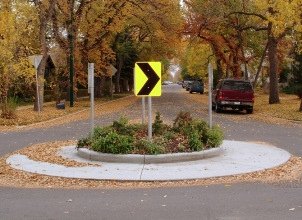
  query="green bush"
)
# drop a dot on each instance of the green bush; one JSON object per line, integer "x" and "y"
{"x": 182, "y": 120}
{"x": 181, "y": 147}
{"x": 202, "y": 128}
{"x": 123, "y": 138}
{"x": 113, "y": 143}
{"x": 101, "y": 132}
{"x": 195, "y": 143}
{"x": 215, "y": 137}
{"x": 158, "y": 126}
{"x": 150, "y": 147}
{"x": 84, "y": 142}
{"x": 169, "y": 135}
{"x": 121, "y": 127}
{"x": 9, "y": 109}
{"x": 294, "y": 89}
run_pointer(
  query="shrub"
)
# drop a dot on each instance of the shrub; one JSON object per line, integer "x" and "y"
{"x": 149, "y": 147}
{"x": 215, "y": 137}
{"x": 113, "y": 143}
{"x": 181, "y": 147}
{"x": 101, "y": 132}
{"x": 182, "y": 120}
{"x": 294, "y": 89}
{"x": 195, "y": 143}
{"x": 84, "y": 142}
{"x": 158, "y": 126}
{"x": 9, "y": 108}
{"x": 202, "y": 128}
{"x": 121, "y": 127}
{"x": 169, "y": 135}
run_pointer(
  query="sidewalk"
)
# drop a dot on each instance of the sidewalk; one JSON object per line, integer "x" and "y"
{"x": 236, "y": 158}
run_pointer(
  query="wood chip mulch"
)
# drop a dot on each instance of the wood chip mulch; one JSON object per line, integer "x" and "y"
{"x": 9, "y": 177}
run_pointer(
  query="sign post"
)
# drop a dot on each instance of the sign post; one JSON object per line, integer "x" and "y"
{"x": 144, "y": 110}
{"x": 210, "y": 74}
{"x": 35, "y": 61}
{"x": 112, "y": 71}
{"x": 91, "y": 92}
{"x": 149, "y": 118}
{"x": 147, "y": 82}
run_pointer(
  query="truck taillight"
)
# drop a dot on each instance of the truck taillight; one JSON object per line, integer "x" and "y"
{"x": 220, "y": 95}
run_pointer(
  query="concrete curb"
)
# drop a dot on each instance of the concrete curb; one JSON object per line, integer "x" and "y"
{"x": 148, "y": 159}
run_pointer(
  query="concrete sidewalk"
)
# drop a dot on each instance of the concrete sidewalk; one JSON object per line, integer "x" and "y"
{"x": 236, "y": 158}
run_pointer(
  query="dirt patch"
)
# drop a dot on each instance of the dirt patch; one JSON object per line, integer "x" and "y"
{"x": 289, "y": 172}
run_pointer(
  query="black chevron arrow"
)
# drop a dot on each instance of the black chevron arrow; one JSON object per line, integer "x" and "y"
{"x": 153, "y": 78}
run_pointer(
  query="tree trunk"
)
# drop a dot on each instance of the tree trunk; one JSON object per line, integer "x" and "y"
{"x": 118, "y": 74}
{"x": 97, "y": 88}
{"x": 219, "y": 69}
{"x": 44, "y": 16}
{"x": 260, "y": 65}
{"x": 273, "y": 70}
{"x": 237, "y": 73}
{"x": 3, "y": 99}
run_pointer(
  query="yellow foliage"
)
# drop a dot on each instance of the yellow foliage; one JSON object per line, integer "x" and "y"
{"x": 284, "y": 14}
{"x": 13, "y": 46}
{"x": 196, "y": 58}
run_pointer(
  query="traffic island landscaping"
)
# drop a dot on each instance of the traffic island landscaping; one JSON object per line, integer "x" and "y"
{"x": 287, "y": 173}
{"x": 186, "y": 135}
{"x": 38, "y": 160}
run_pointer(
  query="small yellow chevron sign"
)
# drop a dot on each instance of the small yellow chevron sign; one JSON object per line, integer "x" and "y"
{"x": 147, "y": 79}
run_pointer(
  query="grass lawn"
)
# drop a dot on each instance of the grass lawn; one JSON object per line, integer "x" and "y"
{"x": 26, "y": 115}
{"x": 287, "y": 109}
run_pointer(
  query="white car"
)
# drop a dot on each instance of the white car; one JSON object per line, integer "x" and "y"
{"x": 167, "y": 83}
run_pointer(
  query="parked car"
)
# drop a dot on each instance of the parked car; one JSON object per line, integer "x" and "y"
{"x": 234, "y": 94}
{"x": 167, "y": 83}
{"x": 185, "y": 83}
{"x": 188, "y": 85}
{"x": 197, "y": 86}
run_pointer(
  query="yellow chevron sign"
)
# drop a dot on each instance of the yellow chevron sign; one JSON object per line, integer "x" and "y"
{"x": 147, "y": 79}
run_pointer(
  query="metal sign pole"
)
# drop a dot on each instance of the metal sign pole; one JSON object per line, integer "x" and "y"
{"x": 150, "y": 118}
{"x": 210, "y": 72}
{"x": 91, "y": 91}
{"x": 143, "y": 110}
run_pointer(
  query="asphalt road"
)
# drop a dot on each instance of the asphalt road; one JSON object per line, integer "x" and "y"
{"x": 239, "y": 201}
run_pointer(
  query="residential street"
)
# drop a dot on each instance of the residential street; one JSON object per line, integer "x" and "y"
{"x": 281, "y": 200}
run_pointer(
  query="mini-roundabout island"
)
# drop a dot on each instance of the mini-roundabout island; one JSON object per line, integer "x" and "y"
{"x": 186, "y": 150}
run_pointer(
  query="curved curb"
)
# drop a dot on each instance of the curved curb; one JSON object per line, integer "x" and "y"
{"x": 237, "y": 158}
{"x": 148, "y": 159}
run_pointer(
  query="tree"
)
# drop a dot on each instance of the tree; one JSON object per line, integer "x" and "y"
{"x": 45, "y": 10}
{"x": 196, "y": 58}
{"x": 14, "y": 25}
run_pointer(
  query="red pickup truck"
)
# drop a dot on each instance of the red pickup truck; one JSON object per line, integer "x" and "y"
{"x": 234, "y": 94}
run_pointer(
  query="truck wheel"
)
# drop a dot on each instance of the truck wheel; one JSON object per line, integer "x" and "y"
{"x": 249, "y": 110}
{"x": 217, "y": 108}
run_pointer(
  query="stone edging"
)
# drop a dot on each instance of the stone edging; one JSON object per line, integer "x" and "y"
{"x": 148, "y": 159}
